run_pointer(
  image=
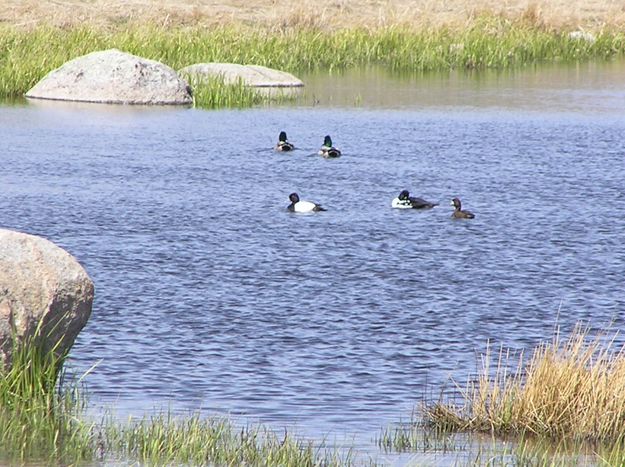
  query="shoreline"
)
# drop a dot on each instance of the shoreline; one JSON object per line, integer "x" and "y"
{"x": 491, "y": 42}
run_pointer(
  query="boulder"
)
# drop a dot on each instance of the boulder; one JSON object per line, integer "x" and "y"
{"x": 251, "y": 75}
{"x": 582, "y": 36}
{"x": 45, "y": 295}
{"x": 113, "y": 77}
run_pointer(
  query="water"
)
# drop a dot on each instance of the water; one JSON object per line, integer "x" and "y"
{"x": 211, "y": 296}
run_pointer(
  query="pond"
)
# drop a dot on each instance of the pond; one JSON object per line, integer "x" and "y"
{"x": 211, "y": 296}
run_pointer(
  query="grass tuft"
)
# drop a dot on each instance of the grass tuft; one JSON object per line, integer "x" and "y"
{"x": 38, "y": 419}
{"x": 214, "y": 93}
{"x": 193, "y": 440}
{"x": 570, "y": 389}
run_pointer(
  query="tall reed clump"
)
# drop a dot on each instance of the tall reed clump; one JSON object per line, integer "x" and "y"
{"x": 163, "y": 440}
{"x": 38, "y": 412}
{"x": 570, "y": 389}
{"x": 489, "y": 41}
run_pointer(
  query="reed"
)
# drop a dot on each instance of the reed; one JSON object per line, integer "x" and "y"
{"x": 570, "y": 389}
{"x": 488, "y": 42}
{"x": 163, "y": 440}
{"x": 39, "y": 410}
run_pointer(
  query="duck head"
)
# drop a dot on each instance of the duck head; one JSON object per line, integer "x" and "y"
{"x": 282, "y": 137}
{"x": 327, "y": 141}
{"x": 456, "y": 203}
{"x": 405, "y": 194}
{"x": 294, "y": 198}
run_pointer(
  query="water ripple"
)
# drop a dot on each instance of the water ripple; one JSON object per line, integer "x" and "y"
{"x": 209, "y": 294}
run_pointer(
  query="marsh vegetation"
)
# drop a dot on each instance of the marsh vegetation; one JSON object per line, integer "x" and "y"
{"x": 565, "y": 402}
{"x": 489, "y": 42}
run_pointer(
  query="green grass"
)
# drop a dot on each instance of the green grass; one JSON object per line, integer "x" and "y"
{"x": 490, "y": 42}
{"x": 42, "y": 420}
{"x": 213, "y": 93}
{"x": 39, "y": 420}
{"x": 193, "y": 440}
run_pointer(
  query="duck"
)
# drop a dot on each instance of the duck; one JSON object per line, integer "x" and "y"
{"x": 283, "y": 143}
{"x": 327, "y": 150}
{"x": 303, "y": 206}
{"x": 459, "y": 213}
{"x": 405, "y": 201}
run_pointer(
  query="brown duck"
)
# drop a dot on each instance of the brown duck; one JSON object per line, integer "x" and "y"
{"x": 459, "y": 213}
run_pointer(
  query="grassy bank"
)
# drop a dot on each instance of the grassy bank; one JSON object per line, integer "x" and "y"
{"x": 570, "y": 390}
{"x": 488, "y": 42}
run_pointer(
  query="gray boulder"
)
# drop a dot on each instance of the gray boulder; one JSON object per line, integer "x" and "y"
{"x": 251, "y": 75}
{"x": 113, "y": 77}
{"x": 45, "y": 295}
{"x": 582, "y": 36}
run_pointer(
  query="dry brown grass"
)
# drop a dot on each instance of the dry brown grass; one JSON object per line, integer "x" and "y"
{"x": 570, "y": 389}
{"x": 284, "y": 14}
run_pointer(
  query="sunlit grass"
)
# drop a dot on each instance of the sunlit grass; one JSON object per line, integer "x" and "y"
{"x": 470, "y": 448}
{"x": 193, "y": 440}
{"x": 570, "y": 389}
{"x": 565, "y": 405}
{"x": 214, "y": 93}
{"x": 39, "y": 416}
{"x": 488, "y": 42}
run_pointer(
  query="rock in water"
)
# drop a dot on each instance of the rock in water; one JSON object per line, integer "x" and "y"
{"x": 582, "y": 36}
{"x": 45, "y": 295}
{"x": 113, "y": 77}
